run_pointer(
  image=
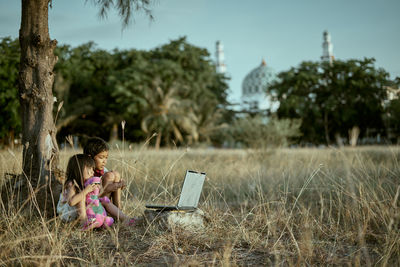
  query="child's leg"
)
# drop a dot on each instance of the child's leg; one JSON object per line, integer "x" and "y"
{"x": 116, "y": 195}
{"x": 106, "y": 180}
{"x": 109, "y": 180}
{"x": 115, "y": 211}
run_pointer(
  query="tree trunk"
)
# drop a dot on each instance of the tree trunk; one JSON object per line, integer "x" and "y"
{"x": 326, "y": 126}
{"x": 353, "y": 136}
{"x": 158, "y": 141}
{"x": 114, "y": 133}
{"x": 11, "y": 138}
{"x": 40, "y": 150}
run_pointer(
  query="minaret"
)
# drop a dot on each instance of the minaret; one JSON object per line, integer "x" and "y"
{"x": 327, "y": 48}
{"x": 221, "y": 67}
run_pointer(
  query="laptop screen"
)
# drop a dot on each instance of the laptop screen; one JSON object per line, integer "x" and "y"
{"x": 191, "y": 189}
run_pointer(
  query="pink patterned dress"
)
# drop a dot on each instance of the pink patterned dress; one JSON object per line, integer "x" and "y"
{"x": 95, "y": 211}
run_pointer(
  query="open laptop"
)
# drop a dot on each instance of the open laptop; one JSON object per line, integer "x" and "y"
{"x": 190, "y": 193}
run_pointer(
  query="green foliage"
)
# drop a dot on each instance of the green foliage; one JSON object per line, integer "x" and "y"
{"x": 125, "y": 8}
{"x": 10, "y": 121}
{"x": 393, "y": 115}
{"x": 176, "y": 92}
{"x": 258, "y": 132}
{"x": 81, "y": 82}
{"x": 392, "y": 112}
{"x": 332, "y": 98}
{"x": 172, "y": 90}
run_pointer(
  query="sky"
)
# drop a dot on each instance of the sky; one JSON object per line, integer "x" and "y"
{"x": 283, "y": 32}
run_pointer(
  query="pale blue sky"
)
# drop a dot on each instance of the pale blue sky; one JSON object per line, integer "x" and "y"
{"x": 284, "y": 32}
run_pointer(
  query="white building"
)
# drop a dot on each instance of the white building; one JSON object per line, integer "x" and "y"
{"x": 255, "y": 96}
{"x": 219, "y": 54}
{"x": 327, "y": 48}
{"x": 255, "y": 87}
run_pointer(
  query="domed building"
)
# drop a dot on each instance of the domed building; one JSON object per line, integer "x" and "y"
{"x": 254, "y": 96}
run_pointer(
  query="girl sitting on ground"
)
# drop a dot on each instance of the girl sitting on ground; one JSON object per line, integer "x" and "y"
{"x": 75, "y": 201}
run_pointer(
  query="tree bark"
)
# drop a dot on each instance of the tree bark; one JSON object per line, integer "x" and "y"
{"x": 326, "y": 126}
{"x": 158, "y": 141}
{"x": 36, "y": 77}
{"x": 114, "y": 133}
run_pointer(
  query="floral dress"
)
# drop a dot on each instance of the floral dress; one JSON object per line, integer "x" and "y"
{"x": 66, "y": 212}
{"x": 94, "y": 209}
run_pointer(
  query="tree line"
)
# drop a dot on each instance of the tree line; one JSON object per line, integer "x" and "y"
{"x": 339, "y": 99}
{"x": 172, "y": 90}
{"x": 173, "y": 96}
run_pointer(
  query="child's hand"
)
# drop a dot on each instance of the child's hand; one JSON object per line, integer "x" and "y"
{"x": 122, "y": 184}
{"x": 112, "y": 187}
{"x": 90, "y": 188}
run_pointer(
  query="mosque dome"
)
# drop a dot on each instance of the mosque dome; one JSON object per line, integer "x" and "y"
{"x": 255, "y": 84}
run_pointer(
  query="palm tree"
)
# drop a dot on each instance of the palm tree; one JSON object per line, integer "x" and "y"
{"x": 207, "y": 118}
{"x": 163, "y": 113}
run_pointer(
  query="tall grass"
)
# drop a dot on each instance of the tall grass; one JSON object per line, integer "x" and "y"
{"x": 278, "y": 207}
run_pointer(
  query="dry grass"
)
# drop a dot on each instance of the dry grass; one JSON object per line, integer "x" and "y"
{"x": 282, "y": 207}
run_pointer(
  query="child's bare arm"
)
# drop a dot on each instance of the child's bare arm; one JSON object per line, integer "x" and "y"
{"x": 112, "y": 187}
{"x": 78, "y": 197}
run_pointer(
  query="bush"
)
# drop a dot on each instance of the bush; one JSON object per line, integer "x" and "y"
{"x": 261, "y": 132}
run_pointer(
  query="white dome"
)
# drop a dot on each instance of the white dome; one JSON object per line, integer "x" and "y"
{"x": 255, "y": 84}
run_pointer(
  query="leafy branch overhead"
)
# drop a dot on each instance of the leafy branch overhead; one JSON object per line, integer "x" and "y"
{"x": 125, "y": 8}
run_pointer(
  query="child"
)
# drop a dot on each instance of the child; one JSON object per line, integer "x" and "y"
{"x": 98, "y": 149}
{"x": 74, "y": 196}
{"x": 68, "y": 207}
{"x": 95, "y": 212}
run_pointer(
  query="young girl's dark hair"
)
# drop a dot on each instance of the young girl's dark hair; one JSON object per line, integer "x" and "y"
{"x": 76, "y": 166}
{"x": 94, "y": 146}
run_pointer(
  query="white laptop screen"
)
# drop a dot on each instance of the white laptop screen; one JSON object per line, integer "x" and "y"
{"x": 191, "y": 189}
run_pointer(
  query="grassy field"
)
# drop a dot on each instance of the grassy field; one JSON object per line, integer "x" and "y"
{"x": 278, "y": 207}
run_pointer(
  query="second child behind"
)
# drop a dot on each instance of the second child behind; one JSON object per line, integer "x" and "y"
{"x": 112, "y": 183}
